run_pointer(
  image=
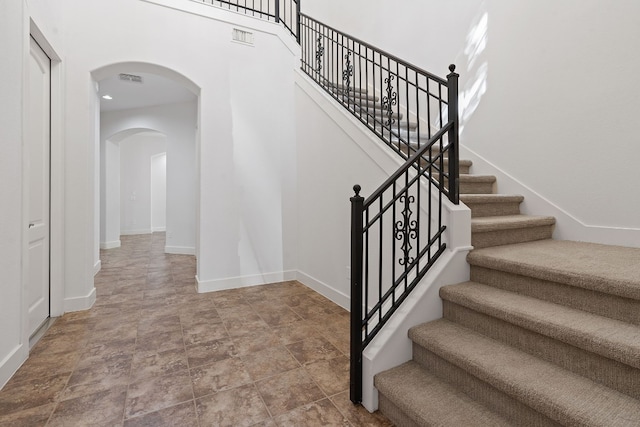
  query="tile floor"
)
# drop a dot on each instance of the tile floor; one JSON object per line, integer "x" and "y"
{"x": 153, "y": 352}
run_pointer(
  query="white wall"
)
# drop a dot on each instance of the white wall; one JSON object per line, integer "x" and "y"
{"x": 549, "y": 94}
{"x": 178, "y": 123}
{"x": 136, "y": 153}
{"x": 159, "y": 192}
{"x": 233, "y": 163}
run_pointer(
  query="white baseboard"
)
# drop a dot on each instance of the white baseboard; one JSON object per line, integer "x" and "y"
{"x": 80, "y": 303}
{"x": 135, "y": 232}
{"x": 110, "y": 245}
{"x": 334, "y": 295}
{"x": 179, "y": 250}
{"x": 568, "y": 227}
{"x": 97, "y": 267}
{"x": 10, "y": 364}
{"x": 243, "y": 281}
{"x": 158, "y": 229}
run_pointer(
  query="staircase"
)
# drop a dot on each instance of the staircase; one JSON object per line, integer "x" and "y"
{"x": 547, "y": 332}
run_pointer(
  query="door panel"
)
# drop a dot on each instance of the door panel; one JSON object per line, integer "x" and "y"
{"x": 38, "y": 143}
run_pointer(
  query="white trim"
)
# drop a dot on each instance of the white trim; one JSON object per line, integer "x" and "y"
{"x": 324, "y": 289}
{"x": 97, "y": 267}
{"x": 179, "y": 250}
{"x": 135, "y": 232}
{"x": 158, "y": 229}
{"x": 244, "y": 281}
{"x": 568, "y": 227}
{"x": 110, "y": 245}
{"x": 80, "y": 303}
{"x": 10, "y": 364}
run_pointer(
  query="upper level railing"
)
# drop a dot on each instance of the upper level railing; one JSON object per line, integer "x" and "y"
{"x": 286, "y": 12}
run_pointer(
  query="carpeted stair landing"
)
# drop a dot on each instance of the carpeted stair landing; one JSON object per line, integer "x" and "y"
{"x": 546, "y": 332}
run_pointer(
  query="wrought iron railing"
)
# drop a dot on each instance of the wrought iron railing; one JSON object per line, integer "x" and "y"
{"x": 286, "y": 12}
{"x": 399, "y": 102}
{"x": 397, "y": 232}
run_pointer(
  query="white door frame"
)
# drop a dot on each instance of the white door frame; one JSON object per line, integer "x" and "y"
{"x": 56, "y": 242}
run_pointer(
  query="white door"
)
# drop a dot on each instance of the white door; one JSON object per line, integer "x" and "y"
{"x": 38, "y": 146}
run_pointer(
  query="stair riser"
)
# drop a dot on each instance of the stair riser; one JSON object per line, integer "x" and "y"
{"x": 610, "y": 373}
{"x": 476, "y": 188}
{"x": 510, "y": 236}
{"x": 612, "y": 306}
{"x": 493, "y": 209}
{"x": 395, "y": 414}
{"x": 492, "y": 398}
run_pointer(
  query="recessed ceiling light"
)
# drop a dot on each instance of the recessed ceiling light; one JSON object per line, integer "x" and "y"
{"x": 106, "y": 97}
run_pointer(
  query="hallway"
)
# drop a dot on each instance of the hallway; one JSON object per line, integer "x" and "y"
{"x": 153, "y": 352}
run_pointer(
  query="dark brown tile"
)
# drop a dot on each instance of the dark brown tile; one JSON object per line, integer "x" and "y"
{"x": 209, "y": 352}
{"x": 18, "y": 396}
{"x": 317, "y": 414}
{"x": 148, "y": 364}
{"x": 255, "y": 341}
{"x": 243, "y": 326}
{"x": 199, "y": 333}
{"x": 269, "y": 362}
{"x": 104, "y": 408}
{"x": 34, "y": 417}
{"x": 331, "y": 375}
{"x": 115, "y": 370}
{"x": 162, "y": 340}
{"x": 287, "y": 391}
{"x": 313, "y": 349}
{"x": 182, "y": 415}
{"x": 279, "y": 316}
{"x": 357, "y": 415}
{"x": 157, "y": 324}
{"x": 219, "y": 376}
{"x": 43, "y": 364}
{"x": 241, "y": 406}
{"x": 295, "y": 332}
{"x": 157, "y": 393}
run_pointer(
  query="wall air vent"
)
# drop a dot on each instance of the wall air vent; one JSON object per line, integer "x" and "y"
{"x": 242, "y": 36}
{"x": 130, "y": 78}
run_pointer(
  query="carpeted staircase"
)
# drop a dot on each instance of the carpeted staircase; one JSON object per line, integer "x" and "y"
{"x": 547, "y": 332}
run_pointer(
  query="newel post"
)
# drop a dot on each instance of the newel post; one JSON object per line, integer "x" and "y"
{"x": 454, "y": 172}
{"x": 355, "y": 380}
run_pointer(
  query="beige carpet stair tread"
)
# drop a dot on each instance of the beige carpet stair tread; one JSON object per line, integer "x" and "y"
{"x": 568, "y": 398}
{"x": 607, "y": 337}
{"x": 505, "y": 222}
{"x": 490, "y": 198}
{"x": 429, "y": 401}
{"x": 608, "y": 269}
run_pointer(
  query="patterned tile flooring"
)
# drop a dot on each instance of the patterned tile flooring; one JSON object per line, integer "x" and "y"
{"x": 153, "y": 352}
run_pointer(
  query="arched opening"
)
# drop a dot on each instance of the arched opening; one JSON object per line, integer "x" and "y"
{"x": 140, "y": 105}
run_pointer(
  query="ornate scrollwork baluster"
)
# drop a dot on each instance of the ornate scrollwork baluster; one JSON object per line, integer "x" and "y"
{"x": 406, "y": 230}
{"x": 389, "y": 101}
{"x": 319, "y": 54}
{"x": 347, "y": 73}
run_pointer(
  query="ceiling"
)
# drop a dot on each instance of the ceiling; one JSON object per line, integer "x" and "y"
{"x": 154, "y": 90}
